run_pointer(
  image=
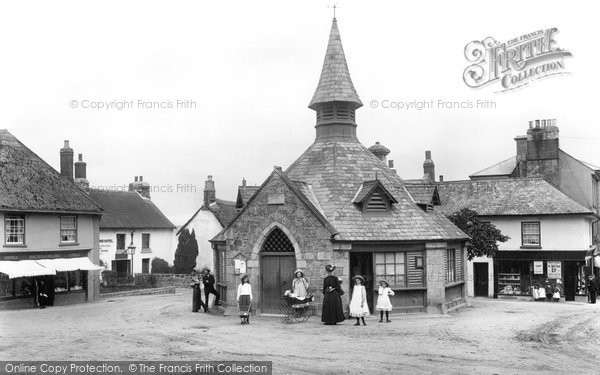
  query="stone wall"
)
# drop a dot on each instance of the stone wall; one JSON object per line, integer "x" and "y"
{"x": 161, "y": 280}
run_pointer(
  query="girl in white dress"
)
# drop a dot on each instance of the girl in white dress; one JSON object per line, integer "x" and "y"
{"x": 383, "y": 301}
{"x": 358, "y": 305}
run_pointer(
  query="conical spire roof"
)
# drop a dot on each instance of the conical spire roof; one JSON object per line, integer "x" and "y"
{"x": 335, "y": 83}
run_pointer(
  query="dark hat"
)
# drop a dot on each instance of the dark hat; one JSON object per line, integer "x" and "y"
{"x": 244, "y": 277}
{"x": 385, "y": 282}
{"x": 362, "y": 279}
{"x": 206, "y": 269}
{"x": 329, "y": 268}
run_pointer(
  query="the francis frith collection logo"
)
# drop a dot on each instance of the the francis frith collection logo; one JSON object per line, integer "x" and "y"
{"x": 514, "y": 63}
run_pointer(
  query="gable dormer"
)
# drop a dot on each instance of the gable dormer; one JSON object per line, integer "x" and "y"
{"x": 372, "y": 196}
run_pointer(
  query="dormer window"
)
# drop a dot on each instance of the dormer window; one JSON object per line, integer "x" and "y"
{"x": 372, "y": 196}
{"x": 377, "y": 203}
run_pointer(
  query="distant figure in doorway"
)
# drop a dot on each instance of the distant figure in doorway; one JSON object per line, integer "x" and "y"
{"x": 383, "y": 301}
{"x": 244, "y": 298}
{"x": 332, "y": 312}
{"x": 358, "y": 305}
{"x": 592, "y": 288}
{"x": 209, "y": 287}
{"x": 300, "y": 284}
{"x": 548, "y": 289}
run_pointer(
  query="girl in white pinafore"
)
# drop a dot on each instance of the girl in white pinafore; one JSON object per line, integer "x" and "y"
{"x": 358, "y": 305}
{"x": 383, "y": 300}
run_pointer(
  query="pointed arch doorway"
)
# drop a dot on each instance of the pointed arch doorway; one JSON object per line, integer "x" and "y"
{"x": 277, "y": 266}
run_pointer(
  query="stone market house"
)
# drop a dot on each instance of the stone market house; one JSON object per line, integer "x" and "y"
{"x": 214, "y": 215}
{"x": 340, "y": 204}
{"x": 50, "y": 230}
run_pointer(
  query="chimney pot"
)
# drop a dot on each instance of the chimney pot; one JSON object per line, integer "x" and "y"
{"x": 391, "y": 163}
{"x": 136, "y": 179}
{"x": 66, "y": 143}
{"x": 244, "y": 181}
{"x": 209, "y": 178}
{"x": 141, "y": 178}
{"x": 441, "y": 178}
{"x": 80, "y": 157}
{"x": 377, "y": 142}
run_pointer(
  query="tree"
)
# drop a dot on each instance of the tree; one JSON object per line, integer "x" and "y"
{"x": 186, "y": 253}
{"x": 484, "y": 235}
{"x": 160, "y": 265}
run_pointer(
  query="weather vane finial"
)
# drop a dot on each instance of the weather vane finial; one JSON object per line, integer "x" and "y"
{"x": 334, "y": 6}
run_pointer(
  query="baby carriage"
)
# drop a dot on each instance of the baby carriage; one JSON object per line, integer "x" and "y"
{"x": 244, "y": 309}
{"x": 296, "y": 309}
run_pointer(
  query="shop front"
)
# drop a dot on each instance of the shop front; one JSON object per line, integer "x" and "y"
{"x": 529, "y": 273}
{"x": 42, "y": 280}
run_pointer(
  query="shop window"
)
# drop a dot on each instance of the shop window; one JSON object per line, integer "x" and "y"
{"x": 146, "y": 265}
{"x": 530, "y": 234}
{"x": 68, "y": 281}
{"x": 450, "y": 265}
{"x": 76, "y": 280}
{"x": 23, "y": 287}
{"x": 391, "y": 266}
{"x": 68, "y": 229}
{"x": 517, "y": 277}
{"x": 120, "y": 241}
{"x": 14, "y": 230}
{"x": 61, "y": 283}
{"x": 6, "y": 286}
{"x": 145, "y": 241}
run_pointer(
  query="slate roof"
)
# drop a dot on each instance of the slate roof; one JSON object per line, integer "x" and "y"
{"x": 129, "y": 210}
{"x": 505, "y": 197}
{"x": 224, "y": 211}
{"x": 335, "y": 83}
{"x": 336, "y": 170}
{"x": 504, "y": 168}
{"x": 28, "y": 183}
{"x": 244, "y": 195}
{"x": 421, "y": 192}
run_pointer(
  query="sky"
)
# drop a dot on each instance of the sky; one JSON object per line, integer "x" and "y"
{"x": 222, "y": 88}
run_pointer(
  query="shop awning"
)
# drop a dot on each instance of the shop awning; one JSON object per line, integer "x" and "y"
{"x": 69, "y": 264}
{"x": 24, "y": 268}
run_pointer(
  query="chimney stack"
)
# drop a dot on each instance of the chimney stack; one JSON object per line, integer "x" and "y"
{"x": 81, "y": 173}
{"x": 209, "y": 192}
{"x": 441, "y": 178}
{"x": 244, "y": 182}
{"x": 66, "y": 161}
{"x": 143, "y": 188}
{"x": 380, "y": 151}
{"x": 429, "y": 167}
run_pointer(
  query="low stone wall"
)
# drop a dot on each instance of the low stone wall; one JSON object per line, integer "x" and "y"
{"x": 160, "y": 280}
{"x": 139, "y": 292}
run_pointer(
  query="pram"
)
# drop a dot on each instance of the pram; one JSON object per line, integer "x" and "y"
{"x": 297, "y": 309}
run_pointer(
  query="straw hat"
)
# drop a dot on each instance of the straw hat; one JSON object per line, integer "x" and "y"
{"x": 387, "y": 285}
{"x": 296, "y": 272}
{"x": 362, "y": 279}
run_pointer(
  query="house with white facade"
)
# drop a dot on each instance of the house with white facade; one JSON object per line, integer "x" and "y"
{"x": 133, "y": 230}
{"x": 210, "y": 219}
{"x": 550, "y": 235}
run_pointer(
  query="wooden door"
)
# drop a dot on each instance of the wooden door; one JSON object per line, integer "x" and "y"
{"x": 481, "y": 279}
{"x": 277, "y": 271}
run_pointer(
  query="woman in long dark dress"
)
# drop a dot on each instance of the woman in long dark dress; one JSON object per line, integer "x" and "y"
{"x": 332, "y": 303}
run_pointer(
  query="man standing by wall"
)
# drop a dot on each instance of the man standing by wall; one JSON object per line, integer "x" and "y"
{"x": 209, "y": 286}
